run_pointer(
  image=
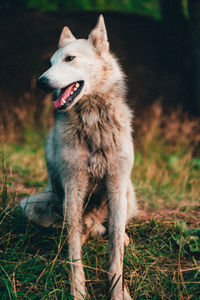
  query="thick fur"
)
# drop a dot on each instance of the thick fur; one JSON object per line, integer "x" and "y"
{"x": 89, "y": 155}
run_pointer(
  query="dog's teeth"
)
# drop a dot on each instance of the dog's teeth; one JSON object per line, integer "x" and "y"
{"x": 75, "y": 89}
{"x": 77, "y": 85}
{"x": 72, "y": 93}
{"x": 63, "y": 101}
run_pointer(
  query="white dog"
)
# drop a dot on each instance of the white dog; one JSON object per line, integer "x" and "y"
{"x": 89, "y": 152}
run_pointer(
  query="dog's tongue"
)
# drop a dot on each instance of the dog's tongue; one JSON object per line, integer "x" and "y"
{"x": 63, "y": 96}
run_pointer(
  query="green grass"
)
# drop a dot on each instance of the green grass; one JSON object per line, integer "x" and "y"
{"x": 162, "y": 259}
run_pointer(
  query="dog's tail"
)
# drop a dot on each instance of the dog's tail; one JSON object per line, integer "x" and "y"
{"x": 41, "y": 208}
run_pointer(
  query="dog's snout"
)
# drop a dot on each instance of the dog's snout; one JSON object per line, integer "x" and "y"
{"x": 43, "y": 84}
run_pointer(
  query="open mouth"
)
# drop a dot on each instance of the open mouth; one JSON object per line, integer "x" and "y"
{"x": 68, "y": 94}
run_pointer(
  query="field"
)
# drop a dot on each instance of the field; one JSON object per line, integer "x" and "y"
{"x": 162, "y": 259}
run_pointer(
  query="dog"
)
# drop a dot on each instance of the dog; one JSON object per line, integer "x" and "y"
{"x": 89, "y": 153}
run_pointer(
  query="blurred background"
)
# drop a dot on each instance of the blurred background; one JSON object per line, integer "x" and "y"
{"x": 158, "y": 45}
{"x": 157, "y": 42}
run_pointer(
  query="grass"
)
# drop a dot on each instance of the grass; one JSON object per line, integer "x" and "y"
{"x": 162, "y": 259}
{"x": 159, "y": 263}
{"x": 167, "y": 159}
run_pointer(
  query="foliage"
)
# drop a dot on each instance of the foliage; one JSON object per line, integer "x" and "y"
{"x": 148, "y": 7}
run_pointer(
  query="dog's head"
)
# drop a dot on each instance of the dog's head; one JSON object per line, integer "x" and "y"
{"x": 79, "y": 66}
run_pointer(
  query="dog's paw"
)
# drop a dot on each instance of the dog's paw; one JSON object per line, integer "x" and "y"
{"x": 126, "y": 295}
{"x": 118, "y": 288}
{"x": 85, "y": 238}
{"x": 98, "y": 229}
{"x": 92, "y": 227}
{"x": 79, "y": 294}
{"x": 39, "y": 209}
{"x": 27, "y": 208}
{"x": 78, "y": 289}
{"x": 121, "y": 295}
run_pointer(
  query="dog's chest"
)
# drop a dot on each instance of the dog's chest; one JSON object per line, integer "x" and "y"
{"x": 98, "y": 133}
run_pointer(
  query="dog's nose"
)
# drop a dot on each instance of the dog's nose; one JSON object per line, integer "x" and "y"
{"x": 43, "y": 84}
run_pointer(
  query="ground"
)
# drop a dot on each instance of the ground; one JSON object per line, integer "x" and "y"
{"x": 162, "y": 259}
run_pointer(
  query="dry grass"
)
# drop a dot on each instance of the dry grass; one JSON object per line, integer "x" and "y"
{"x": 167, "y": 159}
{"x": 31, "y": 111}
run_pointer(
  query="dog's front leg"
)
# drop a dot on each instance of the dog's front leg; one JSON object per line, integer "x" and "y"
{"x": 117, "y": 188}
{"x": 75, "y": 190}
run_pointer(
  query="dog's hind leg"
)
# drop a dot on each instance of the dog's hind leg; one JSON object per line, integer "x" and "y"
{"x": 41, "y": 208}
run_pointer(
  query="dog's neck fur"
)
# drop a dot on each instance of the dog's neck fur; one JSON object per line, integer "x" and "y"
{"x": 95, "y": 117}
{"x": 97, "y": 123}
{"x": 96, "y": 120}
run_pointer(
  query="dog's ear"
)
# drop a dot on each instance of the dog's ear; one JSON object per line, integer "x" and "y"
{"x": 65, "y": 37}
{"x": 98, "y": 36}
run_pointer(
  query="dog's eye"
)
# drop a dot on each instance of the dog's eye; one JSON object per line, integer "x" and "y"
{"x": 69, "y": 58}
